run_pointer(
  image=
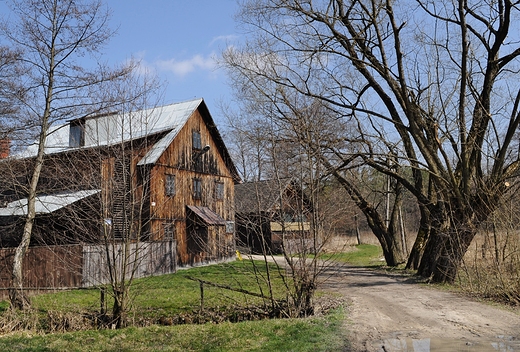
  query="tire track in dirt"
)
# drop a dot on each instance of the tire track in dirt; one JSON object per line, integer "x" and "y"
{"x": 391, "y": 312}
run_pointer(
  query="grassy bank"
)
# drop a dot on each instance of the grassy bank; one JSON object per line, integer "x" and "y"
{"x": 155, "y": 301}
{"x": 166, "y": 295}
{"x": 312, "y": 334}
{"x": 367, "y": 255}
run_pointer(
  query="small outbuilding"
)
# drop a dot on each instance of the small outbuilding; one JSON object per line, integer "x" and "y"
{"x": 273, "y": 216}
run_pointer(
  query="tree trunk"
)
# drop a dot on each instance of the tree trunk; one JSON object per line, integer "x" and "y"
{"x": 119, "y": 309}
{"x": 446, "y": 247}
{"x": 418, "y": 247}
{"x": 17, "y": 296}
{"x": 420, "y": 241}
{"x": 394, "y": 254}
{"x": 392, "y": 248}
{"x": 387, "y": 235}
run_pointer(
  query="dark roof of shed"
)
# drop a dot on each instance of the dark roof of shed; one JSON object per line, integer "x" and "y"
{"x": 260, "y": 196}
{"x": 207, "y": 215}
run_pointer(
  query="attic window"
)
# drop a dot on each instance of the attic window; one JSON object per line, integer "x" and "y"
{"x": 77, "y": 133}
{"x": 197, "y": 143}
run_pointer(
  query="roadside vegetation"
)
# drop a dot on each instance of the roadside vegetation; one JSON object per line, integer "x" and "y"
{"x": 316, "y": 334}
{"x": 167, "y": 300}
{"x": 167, "y": 314}
{"x": 368, "y": 255}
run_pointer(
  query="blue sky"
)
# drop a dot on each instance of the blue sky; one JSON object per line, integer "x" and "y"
{"x": 178, "y": 39}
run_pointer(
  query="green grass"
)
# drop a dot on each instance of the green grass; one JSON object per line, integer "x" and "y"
{"x": 166, "y": 295}
{"x": 367, "y": 255}
{"x": 311, "y": 334}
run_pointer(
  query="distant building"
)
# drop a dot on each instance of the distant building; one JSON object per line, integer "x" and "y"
{"x": 271, "y": 216}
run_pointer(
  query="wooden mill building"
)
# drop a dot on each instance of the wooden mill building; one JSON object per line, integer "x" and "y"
{"x": 155, "y": 176}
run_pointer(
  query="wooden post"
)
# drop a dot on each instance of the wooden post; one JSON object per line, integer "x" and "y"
{"x": 201, "y": 296}
{"x": 403, "y": 231}
{"x": 358, "y": 235}
{"x": 102, "y": 301}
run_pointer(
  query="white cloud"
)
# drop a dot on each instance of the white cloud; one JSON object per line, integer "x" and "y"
{"x": 183, "y": 67}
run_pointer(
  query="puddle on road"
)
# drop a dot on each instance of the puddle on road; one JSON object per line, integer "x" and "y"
{"x": 500, "y": 343}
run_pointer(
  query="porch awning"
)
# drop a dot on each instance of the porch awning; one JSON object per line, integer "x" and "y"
{"x": 46, "y": 204}
{"x": 207, "y": 215}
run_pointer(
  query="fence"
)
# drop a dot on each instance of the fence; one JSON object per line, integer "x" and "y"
{"x": 140, "y": 260}
{"x": 74, "y": 266}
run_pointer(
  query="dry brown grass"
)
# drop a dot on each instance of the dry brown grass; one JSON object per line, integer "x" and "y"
{"x": 491, "y": 267}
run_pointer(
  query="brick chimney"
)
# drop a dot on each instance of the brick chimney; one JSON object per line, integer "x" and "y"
{"x": 5, "y": 146}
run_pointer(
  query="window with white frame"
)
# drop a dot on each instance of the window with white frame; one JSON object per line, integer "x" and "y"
{"x": 230, "y": 226}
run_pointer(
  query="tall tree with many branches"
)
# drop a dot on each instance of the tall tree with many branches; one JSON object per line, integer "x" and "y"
{"x": 58, "y": 42}
{"x": 430, "y": 86}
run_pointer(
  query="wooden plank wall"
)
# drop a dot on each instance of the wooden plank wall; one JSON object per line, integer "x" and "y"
{"x": 210, "y": 168}
{"x": 154, "y": 258}
{"x": 45, "y": 267}
{"x": 54, "y": 267}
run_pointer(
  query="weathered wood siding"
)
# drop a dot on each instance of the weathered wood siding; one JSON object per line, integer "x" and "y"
{"x": 180, "y": 160}
{"x": 45, "y": 267}
{"x": 145, "y": 259}
{"x": 85, "y": 265}
{"x": 139, "y": 208}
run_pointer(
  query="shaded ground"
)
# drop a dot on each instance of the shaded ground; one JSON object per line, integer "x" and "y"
{"x": 390, "y": 312}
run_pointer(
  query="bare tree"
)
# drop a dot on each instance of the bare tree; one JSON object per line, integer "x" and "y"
{"x": 55, "y": 38}
{"x": 308, "y": 123}
{"x": 125, "y": 186}
{"x": 249, "y": 147}
{"x": 280, "y": 211}
{"x": 433, "y": 85}
{"x": 9, "y": 89}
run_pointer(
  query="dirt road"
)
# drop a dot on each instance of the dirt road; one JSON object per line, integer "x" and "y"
{"x": 389, "y": 312}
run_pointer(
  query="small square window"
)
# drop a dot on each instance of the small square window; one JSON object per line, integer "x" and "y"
{"x": 197, "y": 188}
{"x": 170, "y": 185}
{"x": 169, "y": 230}
{"x": 197, "y": 143}
{"x": 219, "y": 190}
{"x": 230, "y": 226}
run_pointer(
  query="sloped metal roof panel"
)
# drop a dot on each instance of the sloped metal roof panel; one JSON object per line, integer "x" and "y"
{"x": 46, "y": 204}
{"x": 156, "y": 151}
{"x": 116, "y": 128}
{"x": 259, "y": 196}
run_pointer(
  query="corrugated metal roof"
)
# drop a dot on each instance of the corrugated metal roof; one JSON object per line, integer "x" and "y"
{"x": 207, "y": 215}
{"x": 112, "y": 129}
{"x": 46, "y": 203}
{"x": 116, "y": 128}
{"x": 156, "y": 151}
